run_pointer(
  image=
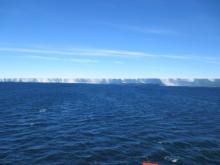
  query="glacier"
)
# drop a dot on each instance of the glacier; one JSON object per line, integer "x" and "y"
{"x": 196, "y": 82}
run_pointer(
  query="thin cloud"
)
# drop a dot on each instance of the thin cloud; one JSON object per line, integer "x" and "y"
{"x": 71, "y": 54}
{"x": 117, "y": 62}
{"x": 142, "y": 29}
{"x": 77, "y": 60}
{"x": 83, "y": 60}
{"x": 77, "y": 52}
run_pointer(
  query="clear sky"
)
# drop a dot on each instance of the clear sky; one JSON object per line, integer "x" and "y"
{"x": 110, "y": 38}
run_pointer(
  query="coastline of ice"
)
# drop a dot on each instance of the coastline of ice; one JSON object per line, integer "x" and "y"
{"x": 152, "y": 81}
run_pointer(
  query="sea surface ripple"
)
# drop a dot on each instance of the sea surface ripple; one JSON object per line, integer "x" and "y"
{"x": 79, "y": 124}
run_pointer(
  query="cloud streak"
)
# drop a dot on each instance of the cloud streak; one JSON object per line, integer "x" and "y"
{"x": 77, "y": 60}
{"x": 142, "y": 29}
{"x": 79, "y": 52}
{"x": 74, "y": 54}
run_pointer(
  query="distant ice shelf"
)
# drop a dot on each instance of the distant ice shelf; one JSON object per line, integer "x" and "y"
{"x": 151, "y": 81}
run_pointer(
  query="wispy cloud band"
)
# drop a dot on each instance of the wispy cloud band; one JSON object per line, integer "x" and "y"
{"x": 143, "y": 29}
{"x": 74, "y": 54}
{"x": 77, "y": 60}
{"x": 79, "y": 52}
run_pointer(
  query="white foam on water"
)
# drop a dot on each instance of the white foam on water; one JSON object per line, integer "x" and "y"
{"x": 43, "y": 110}
{"x": 163, "y": 142}
{"x": 171, "y": 159}
{"x": 31, "y": 124}
{"x": 174, "y": 160}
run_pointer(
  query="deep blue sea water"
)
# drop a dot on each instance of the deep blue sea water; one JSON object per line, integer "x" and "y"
{"x": 79, "y": 124}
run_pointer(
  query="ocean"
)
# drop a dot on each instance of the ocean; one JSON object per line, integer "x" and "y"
{"x": 94, "y": 124}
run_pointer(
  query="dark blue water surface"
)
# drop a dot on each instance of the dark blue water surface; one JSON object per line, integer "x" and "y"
{"x": 76, "y": 124}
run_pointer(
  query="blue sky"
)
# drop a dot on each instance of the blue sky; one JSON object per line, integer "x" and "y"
{"x": 110, "y": 39}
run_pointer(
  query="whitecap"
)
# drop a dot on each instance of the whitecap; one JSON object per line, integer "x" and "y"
{"x": 171, "y": 159}
{"x": 31, "y": 124}
{"x": 43, "y": 110}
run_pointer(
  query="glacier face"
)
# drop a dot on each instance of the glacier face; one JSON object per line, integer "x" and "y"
{"x": 150, "y": 81}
